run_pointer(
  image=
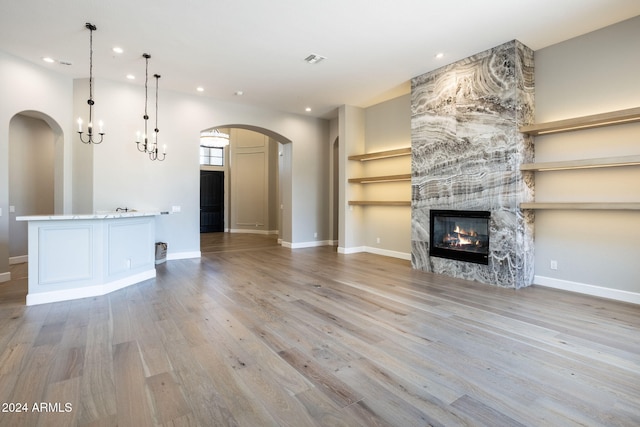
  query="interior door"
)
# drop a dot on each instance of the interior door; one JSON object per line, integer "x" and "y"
{"x": 211, "y": 201}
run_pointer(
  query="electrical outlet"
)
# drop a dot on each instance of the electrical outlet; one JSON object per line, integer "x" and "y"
{"x": 377, "y": 240}
{"x": 553, "y": 264}
{"x": 315, "y": 234}
{"x": 175, "y": 209}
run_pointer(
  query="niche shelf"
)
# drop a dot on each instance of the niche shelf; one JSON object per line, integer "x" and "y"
{"x": 630, "y": 115}
{"x": 387, "y": 178}
{"x": 381, "y": 179}
{"x": 379, "y": 203}
{"x": 382, "y": 154}
{"x": 605, "y": 162}
{"x": 614, "y": 206}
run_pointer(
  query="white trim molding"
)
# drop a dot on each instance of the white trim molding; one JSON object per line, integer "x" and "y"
{"x": 377, "y": 251}
{"x": 18, "y": 259}
{"x": 5, "y": 277}
{"x": 313, "y": 244}
{"x": 172, "y": 256}
{"x": 352, "y": 250}
{"x": 88, "y": 291}
{"x": 250, "y": 231}
{"x": 597, "y": 291}
{"x": 386, "y": 252}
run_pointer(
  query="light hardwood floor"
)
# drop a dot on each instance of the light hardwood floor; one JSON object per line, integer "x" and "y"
{"x": 259, "y": 335}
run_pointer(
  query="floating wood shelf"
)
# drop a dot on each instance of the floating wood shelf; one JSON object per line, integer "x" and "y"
{"x": 582, "y": 206}
{"x": 387, "y": 178}
{"x": 382, "y": 154}
{"x": 378, "y": 203}
{"x": 583, "y": 164}
{"x": 629, "y": 115}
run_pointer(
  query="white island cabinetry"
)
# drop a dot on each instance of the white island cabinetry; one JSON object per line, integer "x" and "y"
{"x": 79, "y": 256}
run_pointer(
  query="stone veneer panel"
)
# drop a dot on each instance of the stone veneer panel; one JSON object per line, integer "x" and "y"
{"x": 466, "y": 155}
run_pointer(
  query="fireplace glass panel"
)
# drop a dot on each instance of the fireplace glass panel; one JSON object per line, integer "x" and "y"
{"x": 460, "y": 235}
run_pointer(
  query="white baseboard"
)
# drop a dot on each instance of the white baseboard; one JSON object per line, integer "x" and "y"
{"x": 171, "y": 256}
{"x": 353, "y": 250}
{"x": 313, "y": 244}
{"x": 250, "y": 231}
{"x": 597, "y": 291}
{"x": 18, "y": 259}
{"x": 386, "y": 252}
{"x": 377, "y": 251}
{"x": 89, "y": 291}
{"x": 5, "y": 277}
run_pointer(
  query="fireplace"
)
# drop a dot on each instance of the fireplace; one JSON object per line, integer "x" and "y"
{"x": 460, "y": 235}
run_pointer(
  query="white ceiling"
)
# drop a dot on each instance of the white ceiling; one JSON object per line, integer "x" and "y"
{"x": 373, "y": 47}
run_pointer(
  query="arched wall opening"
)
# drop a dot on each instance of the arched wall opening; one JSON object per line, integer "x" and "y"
{"x": 258, "y": 186}
{"x": 36, "y": 153}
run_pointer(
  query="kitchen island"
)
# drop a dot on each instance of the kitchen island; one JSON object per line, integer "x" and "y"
{"x": 79, "y": 256}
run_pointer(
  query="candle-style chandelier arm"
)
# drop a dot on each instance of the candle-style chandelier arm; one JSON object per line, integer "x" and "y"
{"x": 89, "y": 137}
{"x": 144, "y": 146}
{"x": 154, "y": 155}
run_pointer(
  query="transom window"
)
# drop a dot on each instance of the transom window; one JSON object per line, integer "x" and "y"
{"x": 212, "y": 156}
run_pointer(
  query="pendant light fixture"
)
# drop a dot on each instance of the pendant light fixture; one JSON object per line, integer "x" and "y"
{"x": 144, "y": 146}
{"x": 88, "y": 138}
{"x": 213, "y": 138}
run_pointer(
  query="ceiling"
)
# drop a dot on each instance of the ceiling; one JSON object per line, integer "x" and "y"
{"x": 372, "y": 47}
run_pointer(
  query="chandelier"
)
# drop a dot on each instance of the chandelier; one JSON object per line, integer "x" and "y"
{"x": 88, "y": 138}
{"x": 213, "y": 138}
{"x": 145, "y": 146}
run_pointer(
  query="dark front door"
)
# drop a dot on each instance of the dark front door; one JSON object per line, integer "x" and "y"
{"x": 211, "y": 201}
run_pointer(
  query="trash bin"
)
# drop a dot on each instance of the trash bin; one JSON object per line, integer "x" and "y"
{"x": 161, "y": 252}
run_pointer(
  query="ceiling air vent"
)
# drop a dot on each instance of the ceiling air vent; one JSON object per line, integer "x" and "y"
{"x": 314, "y": 59}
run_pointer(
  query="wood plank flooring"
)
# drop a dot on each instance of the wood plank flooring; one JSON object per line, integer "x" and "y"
{"x": 260, "y": 335}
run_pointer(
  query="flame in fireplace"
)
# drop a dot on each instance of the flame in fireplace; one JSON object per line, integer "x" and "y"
{"x": 470, "y": 232}
{"x": 464, "y": 241}
{"x": 460, "y": 237}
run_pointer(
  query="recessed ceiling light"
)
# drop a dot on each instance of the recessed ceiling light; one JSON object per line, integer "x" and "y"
{"x": 49, "y": 60}
{"x": 117, "y": 49}
{"x": 200, "y": 89}
{"x": 439, "y": 55}
{"x": 131, "y": 77}
{"x": 308, "y": 109}
{"x": 238, "y": 93}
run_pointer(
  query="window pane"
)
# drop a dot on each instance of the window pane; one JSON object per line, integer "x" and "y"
{"x": 212, "y": 156}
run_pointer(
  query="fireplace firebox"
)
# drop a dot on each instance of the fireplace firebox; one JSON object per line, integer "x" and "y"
{"x": 460, "y": 235}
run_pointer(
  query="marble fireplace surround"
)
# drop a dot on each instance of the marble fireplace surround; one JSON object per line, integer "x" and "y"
{"x": 466, "y": 155}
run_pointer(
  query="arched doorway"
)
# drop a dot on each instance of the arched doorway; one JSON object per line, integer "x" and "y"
{"x": 257, "y": 181}
{"x": 35, "y": 174}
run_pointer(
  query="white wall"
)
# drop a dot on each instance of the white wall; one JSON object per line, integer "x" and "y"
{"x": 27, "y": 87}
{"x": 351, "y": 126}
{"x": 596, "y": 251}
{"x": 123, "y": 177}
{"x": 114, "y": 174}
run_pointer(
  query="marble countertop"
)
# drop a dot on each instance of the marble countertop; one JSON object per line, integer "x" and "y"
{"x": 97, "y": 215}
